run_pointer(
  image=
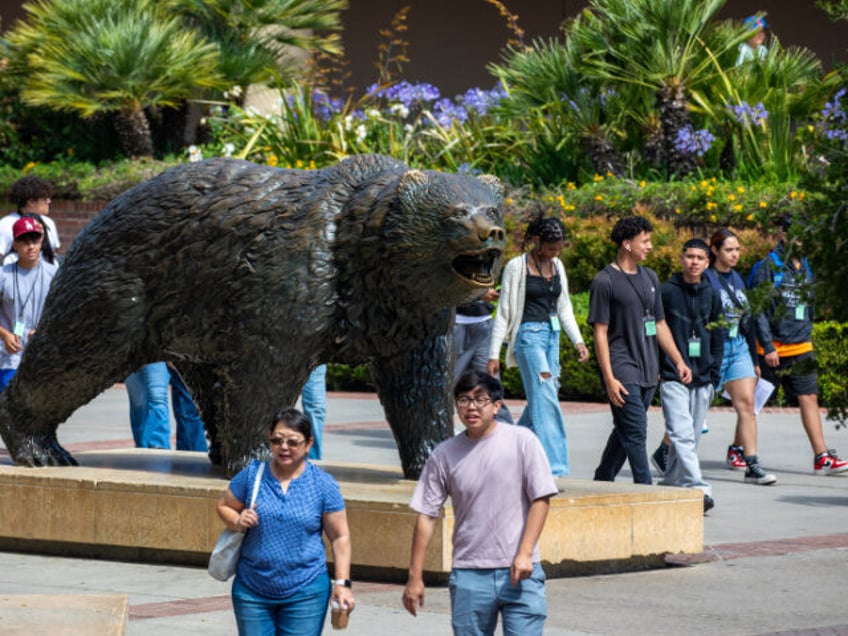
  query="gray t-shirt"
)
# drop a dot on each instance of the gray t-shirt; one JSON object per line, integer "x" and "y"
{"x": 491, "y": 482}
{"x": 625, "y": 302}
{"x": 22, "y": 294}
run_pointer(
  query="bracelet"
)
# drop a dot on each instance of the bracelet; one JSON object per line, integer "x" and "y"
{"x": 342, "y": 582}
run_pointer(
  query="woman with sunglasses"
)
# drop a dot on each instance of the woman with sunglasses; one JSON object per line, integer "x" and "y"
{"x": 281, "y": 584}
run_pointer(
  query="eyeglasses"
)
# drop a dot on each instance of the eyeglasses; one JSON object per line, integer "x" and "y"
{"x": 465, "y": 402}
{"x": 290, "y": 442}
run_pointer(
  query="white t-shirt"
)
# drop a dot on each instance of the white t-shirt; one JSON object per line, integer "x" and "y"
{"x": 6, "y": 237}
{"x": 491, "y": 482}
{"x": 22, "y": 294}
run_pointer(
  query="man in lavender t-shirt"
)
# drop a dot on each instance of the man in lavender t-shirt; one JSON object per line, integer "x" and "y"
{"x": 500, "y": 485}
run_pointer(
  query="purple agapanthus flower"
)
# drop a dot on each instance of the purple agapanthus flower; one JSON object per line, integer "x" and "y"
{"x": 447, "y": 112}
{"x": 748, "y": 115}
{"x": 694, "y": 142}
{"x": 835, "y": 118}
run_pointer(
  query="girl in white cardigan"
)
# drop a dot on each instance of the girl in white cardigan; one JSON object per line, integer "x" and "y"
{"x": 534, "y": 308}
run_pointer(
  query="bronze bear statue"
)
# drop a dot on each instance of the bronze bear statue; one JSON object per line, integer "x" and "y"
{"x": 247, "y": 277}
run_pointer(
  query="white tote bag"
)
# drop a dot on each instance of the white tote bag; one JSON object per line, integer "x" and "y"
{"x": 225, "y": 555}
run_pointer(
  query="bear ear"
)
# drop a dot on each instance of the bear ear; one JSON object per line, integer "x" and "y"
{"x": 411, "y": 187}
{"x": 493, "y": 182}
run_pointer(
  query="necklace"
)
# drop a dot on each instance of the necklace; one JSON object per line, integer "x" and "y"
{"x": 539, "y": 268}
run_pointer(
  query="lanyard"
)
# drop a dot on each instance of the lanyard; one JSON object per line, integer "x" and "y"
{"x": 26, "y": 300}
{"x": 640, "y": 291}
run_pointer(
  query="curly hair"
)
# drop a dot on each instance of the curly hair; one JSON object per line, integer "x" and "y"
{"x": 27, "y": 188}
{"x": 628, "y": 227}
{"x": 547, "y": 230}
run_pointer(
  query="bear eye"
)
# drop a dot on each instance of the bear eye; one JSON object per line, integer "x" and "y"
{"x": 492, "y": 214}
{"x": 458, "y": 213}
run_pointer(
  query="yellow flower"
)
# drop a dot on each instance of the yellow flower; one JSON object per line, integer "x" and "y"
{"x": 763, "y": 204}
{"x": 801, "y": 196}
{"x": 737, "y": 207}
{"x": 570, "y": 207}
{"x": 709, "y": 192}
{"x": 597, "y": 178}
{"x": 29, "y": 167}
{"x": 750, "y": 217}
{"x": 298, "y": 164}
{"x": 508, "y": 201}
{"x": 740, "y": 190}
{"x": 272, "y": 160}
{"x": 793, "y": 194}
{"x": 599, "y": 197}
{"x": 677, "y": 210}
{"x": 570, "y": 186}
{"x": 712, "y": 218}
{"x": 731, "y": 197}
{"x": 704, "y": 183}
{"x": 711, "y": 205}
{"x": 610, "y": 174}
{"x": 643, "y": 183}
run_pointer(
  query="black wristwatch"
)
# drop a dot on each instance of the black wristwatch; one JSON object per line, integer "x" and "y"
{"x": 345, "y": 582}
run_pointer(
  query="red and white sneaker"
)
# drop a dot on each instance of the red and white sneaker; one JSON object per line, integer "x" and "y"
{"x": 829, "y": 463}
{"x": 736, "y": 458}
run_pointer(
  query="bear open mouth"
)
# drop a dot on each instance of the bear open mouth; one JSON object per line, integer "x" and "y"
{"x": 477, "y": 268}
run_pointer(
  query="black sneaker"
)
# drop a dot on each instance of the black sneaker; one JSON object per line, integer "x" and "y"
{"x": 660, "y": 458}
{"x": 709, "y": 503}
{"x": 756, "y": 475}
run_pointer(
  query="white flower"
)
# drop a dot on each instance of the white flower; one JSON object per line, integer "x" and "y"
{"x": 399, "y": 109}
{"x": 372, "y": 113}
{"x": 228, "y": 149}
{"x": 408, "y": 128}
{"x": 195, "y": 154}
{"x": 361, "y": 133}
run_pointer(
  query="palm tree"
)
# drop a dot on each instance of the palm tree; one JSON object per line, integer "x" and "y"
{"x": 263, "y": 41}
{"x": 662, "y": 46}
{"x": 561, "y": 109}
{"x": 110, "y": 56}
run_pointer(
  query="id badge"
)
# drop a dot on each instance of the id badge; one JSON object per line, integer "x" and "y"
{"x": 555, "y": 322}
{"x": 800, "y": 311}
{"x": 20, "y": 328}
{"x": 650, "y": 326}
{"x": 694, "y": 347}
{"x": 734, "y": 331}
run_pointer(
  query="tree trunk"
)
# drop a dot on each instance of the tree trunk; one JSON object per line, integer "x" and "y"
{"x": 674, "y": 114}
{"x": 134, "y": 133}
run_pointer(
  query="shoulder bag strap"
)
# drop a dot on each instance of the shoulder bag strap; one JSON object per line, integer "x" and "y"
{"x": 256, "y": 484}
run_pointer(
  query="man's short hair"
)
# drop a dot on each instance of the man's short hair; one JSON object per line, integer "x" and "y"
{"x": 696, "y": 243}
{"x": 29, "y": 187}
{"x": 628, "y": 227}
{"x": 471, "y": 380}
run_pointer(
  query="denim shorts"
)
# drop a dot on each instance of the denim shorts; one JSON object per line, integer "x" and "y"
{"x": 737, "y": 363}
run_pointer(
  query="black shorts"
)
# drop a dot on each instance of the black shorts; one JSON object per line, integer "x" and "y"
{"x": 797, "y": 375}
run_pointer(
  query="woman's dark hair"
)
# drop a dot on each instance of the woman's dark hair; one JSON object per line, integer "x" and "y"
{"x": 547, "y": 230}
{"x": 628, "y": 227}
{"x": 717, "y": 240}
{"x": 293, "y": 419}
{"x": 29, "y": 187}
{"x": 46, "y": 247}
{"x": 471, "y": 380}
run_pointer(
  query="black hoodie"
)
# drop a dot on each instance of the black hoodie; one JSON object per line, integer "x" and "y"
{"x": 685, "y": 304}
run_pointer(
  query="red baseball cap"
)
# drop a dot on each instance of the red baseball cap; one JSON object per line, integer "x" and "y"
{"x": 26, "y": 225}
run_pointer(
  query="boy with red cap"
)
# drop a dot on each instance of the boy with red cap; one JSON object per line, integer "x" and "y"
{"x": 23, "y": 287}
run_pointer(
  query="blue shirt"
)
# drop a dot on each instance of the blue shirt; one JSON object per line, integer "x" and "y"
{"x": 285, "y": 551}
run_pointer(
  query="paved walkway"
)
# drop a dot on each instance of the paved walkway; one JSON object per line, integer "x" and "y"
{"x": 775, "y": 557}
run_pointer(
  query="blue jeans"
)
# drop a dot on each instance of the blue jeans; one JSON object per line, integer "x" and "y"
{"x": 150, "y": 417}
{"x": 537, "y": 352}
{"x": 191, "y": 435}
{"x": 627, "y": 440}
{"x": 314, "y": 400}
{"x": 478, "y": 595}
{"x": 301, "y": 614}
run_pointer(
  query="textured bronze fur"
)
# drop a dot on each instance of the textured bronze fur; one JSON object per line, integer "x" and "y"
{"x": 246, "y": 277}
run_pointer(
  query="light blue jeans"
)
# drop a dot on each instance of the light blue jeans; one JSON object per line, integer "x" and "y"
{"x": 150, "y": 416}
{"x": 477, "y": 596}
{"x": 301, "y": 614}
{"x": 684, "y": 408}
{"x": 537, "y": 352}
{"x": 313, "y": 397}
